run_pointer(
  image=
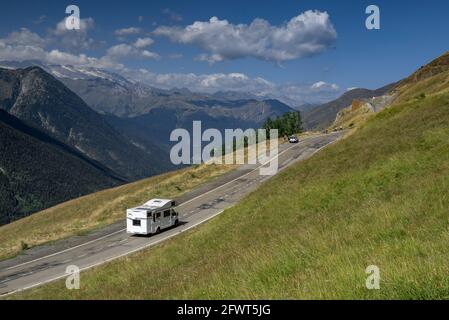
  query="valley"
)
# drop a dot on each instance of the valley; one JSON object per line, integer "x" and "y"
{"x": 125, "y": 127}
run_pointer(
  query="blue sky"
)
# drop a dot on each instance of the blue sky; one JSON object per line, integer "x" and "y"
{"x": 412, "y": 33}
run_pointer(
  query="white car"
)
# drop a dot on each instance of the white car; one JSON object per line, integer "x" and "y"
{"x": 293, "y": 139}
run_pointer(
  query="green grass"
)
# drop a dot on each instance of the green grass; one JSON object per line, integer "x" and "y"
{"x": 379, "y": 197}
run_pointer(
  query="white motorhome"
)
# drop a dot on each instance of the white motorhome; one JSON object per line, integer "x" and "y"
{"x": 152, "y": 217}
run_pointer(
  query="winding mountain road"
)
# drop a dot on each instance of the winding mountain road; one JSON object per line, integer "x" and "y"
{"x": 49, "y": 262}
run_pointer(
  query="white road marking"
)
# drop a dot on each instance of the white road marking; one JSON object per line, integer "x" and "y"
{"x": 245, "y": 175}
{"x": 64, "y": 251}
{"x": 148, "y": 245}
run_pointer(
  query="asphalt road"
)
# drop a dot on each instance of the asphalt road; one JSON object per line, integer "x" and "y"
{"x": 48, "y": 263}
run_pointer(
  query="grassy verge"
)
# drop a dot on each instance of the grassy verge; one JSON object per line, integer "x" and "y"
{"x": 379, "y": 197}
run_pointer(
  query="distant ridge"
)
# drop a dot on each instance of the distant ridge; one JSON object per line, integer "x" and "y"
{"x": 323, "y": 116}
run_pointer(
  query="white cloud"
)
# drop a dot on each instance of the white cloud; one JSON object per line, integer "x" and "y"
{"x": 143, "y": 42}
{"x": 25, "y": 45}
{"x": 321, "y": 85}
{"x": 20, "y": 52}
{"x": 24, "y": 37}
{"x": 149, "y": 55}
{"x": 25, "y": 52}
{"x": 123, "y": 51}
{"x": 307, "y": 34}
{"x": 127, "y": 31}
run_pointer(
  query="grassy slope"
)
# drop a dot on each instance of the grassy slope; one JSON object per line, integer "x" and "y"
{"x": 352, "y": 119}
{"x": 99, "y": 209}
{"x": 379, "y": 197}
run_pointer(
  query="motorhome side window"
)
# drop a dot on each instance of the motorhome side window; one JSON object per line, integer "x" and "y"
{"x": 158, "y": 215}
{"x": 166, "y": 213}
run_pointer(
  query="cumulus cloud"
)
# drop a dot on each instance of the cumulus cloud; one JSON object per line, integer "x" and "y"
{"x": 20, "y": 52}
{"x": 24, "y": 37}
{"x": 25, "y": 45}
{"x": 22, "y": 45}
{"x": 307, "y": 34}
{"x": 143, "y": 42}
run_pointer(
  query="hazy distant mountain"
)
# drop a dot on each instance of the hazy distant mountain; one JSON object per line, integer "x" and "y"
{"x": 147, "y": 115}
{"x": 38, "y": 171}
{"x": 236, "y": 95}
{"x": 128, "y": 99}
{"x": 38, "y": 98}
{"x": 320, "y": 117}
{"x": 305, "y": 107}
{"x": 156, "y": 125}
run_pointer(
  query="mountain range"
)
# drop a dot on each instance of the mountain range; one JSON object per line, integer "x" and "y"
{"x": 146, "y": 115}
{"x": 100, "y": 128}
{"x": 36, "y": 97}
